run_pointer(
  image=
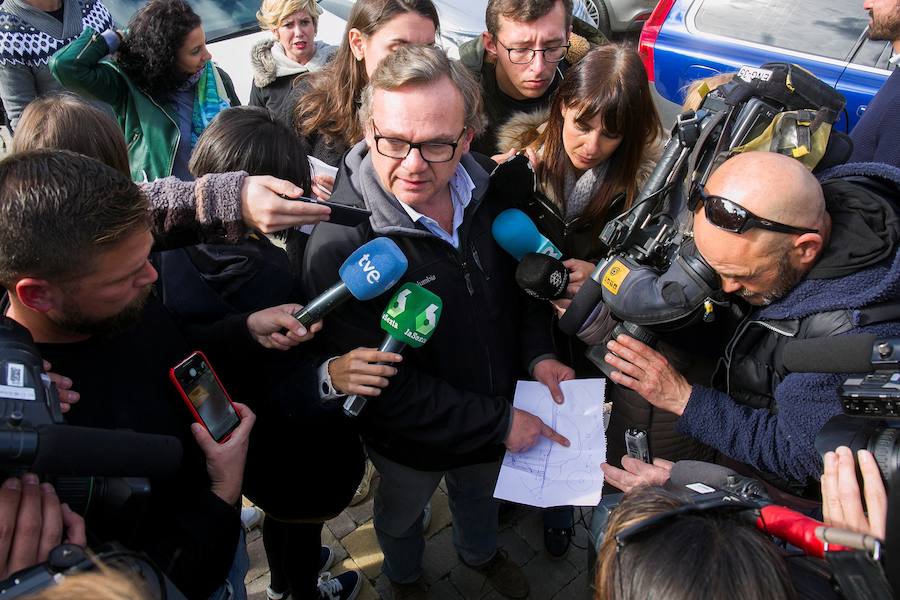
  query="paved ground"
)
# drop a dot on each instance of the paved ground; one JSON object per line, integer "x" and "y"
{"x": 352, "y": 537}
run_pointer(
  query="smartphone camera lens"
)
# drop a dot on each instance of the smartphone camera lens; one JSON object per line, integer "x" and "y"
{"x": 193, "y": 372}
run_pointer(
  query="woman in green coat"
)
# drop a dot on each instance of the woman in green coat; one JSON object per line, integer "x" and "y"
{"x": 161, "y": 84}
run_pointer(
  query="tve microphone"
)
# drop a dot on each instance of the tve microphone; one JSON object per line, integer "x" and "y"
{"x": 862, "y": 353}
{"x": 409, "y": 320}
{"x": 542, "y": 277}
{"x": 370, "y": 271}
{"x": 518, "y": 235}
{"x": 71, "y": 450}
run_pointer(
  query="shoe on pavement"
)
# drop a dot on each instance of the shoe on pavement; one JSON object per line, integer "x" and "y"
{"x": 251, "y": 516}
{"x": 416, "y": 590}
{"x": 504, "y": 575}
{"x": 557, "y": 541}
{"x": 362, "y": 490}
{"x": 340, "y": 587}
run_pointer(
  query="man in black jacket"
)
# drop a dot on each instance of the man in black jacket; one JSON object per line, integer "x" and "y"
{"x": 446, "y": 411}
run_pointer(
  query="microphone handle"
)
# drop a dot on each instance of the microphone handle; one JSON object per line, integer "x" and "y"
{"x": 354, "y": 404}
{"x": 319, "y": 306}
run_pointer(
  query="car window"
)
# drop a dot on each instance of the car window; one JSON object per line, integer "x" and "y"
{"x": 221, "y": 18}
{"x": 874, "y": 53}
{"x": 822, "y": 27}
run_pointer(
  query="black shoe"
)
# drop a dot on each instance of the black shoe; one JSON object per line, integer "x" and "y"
{"x": 557, "y": 541}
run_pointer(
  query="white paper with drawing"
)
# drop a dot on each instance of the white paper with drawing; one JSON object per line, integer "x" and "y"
{"x": 550, "y": 474}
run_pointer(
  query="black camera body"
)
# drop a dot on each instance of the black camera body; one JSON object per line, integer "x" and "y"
{"x": 654, "y": 280}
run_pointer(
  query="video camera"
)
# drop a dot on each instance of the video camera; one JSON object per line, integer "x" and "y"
{"x": 91, "y": 469}
{"x": 861, "y": 566}
{"x": 653, "y": 280}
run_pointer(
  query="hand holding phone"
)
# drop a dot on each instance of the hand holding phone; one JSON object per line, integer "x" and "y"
{"x": 205, "y": 396}
{"x": 225, "y": 460}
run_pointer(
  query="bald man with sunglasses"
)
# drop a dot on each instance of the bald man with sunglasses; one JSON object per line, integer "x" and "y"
{"x": 806, "y": 258}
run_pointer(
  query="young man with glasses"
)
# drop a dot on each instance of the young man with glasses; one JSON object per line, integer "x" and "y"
{"x": 519, "y": 60}
{"x": 445, "y": 409}
{"x": 809, "y": 259}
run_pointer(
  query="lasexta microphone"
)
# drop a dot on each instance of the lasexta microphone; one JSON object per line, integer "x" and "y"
{"x": 542, "y": 277}
{"x": 518, "y": 235}
{"x": 371, "y": 270}
{"x": 409, "y": 320}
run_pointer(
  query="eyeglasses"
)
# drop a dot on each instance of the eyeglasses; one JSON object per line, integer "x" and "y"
{"x": 432, "y": 152}
{"x": 523, "y": 56}
{"x": 731, "y": 216}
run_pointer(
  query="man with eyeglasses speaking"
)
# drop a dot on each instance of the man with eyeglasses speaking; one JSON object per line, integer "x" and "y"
{"x": 811, "y": 260}
{"x": 445, "y": 411}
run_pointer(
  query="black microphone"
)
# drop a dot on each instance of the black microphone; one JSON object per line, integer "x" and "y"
{"x": 861, "y": 353}
{"x": 542, "y": 277}
{"x": 581, "y": 311}
{"x": 85, "y": 451}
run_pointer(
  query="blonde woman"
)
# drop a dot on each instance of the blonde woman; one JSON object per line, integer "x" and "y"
{"x": 292, "y": 51}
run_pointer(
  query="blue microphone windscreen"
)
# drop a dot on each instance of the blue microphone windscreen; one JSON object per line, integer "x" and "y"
{"x": 373, "y": 268}
{"x": 516, "y": 233}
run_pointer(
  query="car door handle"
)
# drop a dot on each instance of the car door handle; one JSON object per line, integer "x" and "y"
{"x": 861, "y": 109}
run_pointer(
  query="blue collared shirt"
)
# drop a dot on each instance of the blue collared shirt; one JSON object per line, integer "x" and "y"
{"x": 461, "y": 188}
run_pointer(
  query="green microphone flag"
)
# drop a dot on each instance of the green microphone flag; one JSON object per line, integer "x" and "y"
{"x": 409, "y": 320}
{"x": 411, "y": 315}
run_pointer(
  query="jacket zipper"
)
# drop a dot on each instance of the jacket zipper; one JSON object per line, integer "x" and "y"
{"x": 94, "y": 37}
{"x": 177, "y": 134}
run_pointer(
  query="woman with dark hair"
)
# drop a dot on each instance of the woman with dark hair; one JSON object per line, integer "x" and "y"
{"x": 658, "y": 545}
{"x": 325, "y": 103}
{"x": 581, "y": 165}
{"x": 206, "y": 282}
{"x": 162, "y": 84}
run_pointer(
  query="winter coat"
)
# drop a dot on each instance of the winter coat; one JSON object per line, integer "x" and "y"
{"x": 576, "y": 237}
{"x": 761, "y": 414}
{"x": 271, "y": 86}
{"x": 150, "y": 127}
{"x": 449, "y": 405}
{"x": 28, "y": 37}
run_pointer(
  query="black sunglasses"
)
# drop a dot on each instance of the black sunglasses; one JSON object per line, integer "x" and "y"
{"x": 729, "y": 215}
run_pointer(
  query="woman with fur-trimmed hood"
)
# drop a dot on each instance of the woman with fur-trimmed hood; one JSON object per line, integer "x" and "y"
{"x": 587, "y": 155}
{"x": 293, "y": 51}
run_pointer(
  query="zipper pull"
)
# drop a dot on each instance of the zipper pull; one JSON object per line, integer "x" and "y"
{"x": 468, "y": 278}
{"x": 708, "y": 315}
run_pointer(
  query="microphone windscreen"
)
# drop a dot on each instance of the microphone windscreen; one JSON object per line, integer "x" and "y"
{"x": 84, "y": 451}
{"x": 685, "y": 472}
{"x": 831, "y": 354}
{"x": 373, "y": 268}
{"x": 542, "y": 276}
{"x": 516, "y": 233}
{"x": 582, "y": 307}
{"x": 412, "y": 314}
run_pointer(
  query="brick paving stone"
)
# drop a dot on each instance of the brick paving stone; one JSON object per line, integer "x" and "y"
{"x": 362, "y": 547}
{"x": 578, "y": 552}
{"x": 444, "y": 590}
{"x": 546, "y": 577}
{"x": 519, "y": 551}
{"x": 577, "y": 589}
{"x": 259, "y": 567}
{"x": 341, "y": 525}
{"x": 362, "y": 512}
{"x": 469, "y": 582}
{"x": 328, "y": 539}
{"x": 440, "y": 556}
{"x": 531, "y": 529}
